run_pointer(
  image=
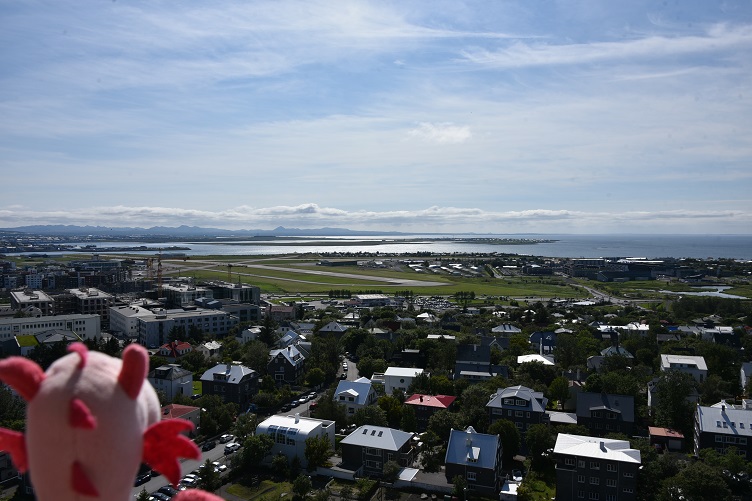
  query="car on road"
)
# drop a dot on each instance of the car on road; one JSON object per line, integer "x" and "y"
{"x": 188, "y": 482}
{"x": 226, "y": 438}
{"x": 219, "y": 467}
{"x": 231, "y": 447}
{"x": 209, "y": 445}
{"x": 168, "y": 491}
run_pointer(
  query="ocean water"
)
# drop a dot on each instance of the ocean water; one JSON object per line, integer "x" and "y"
{"x": 568, "y": 246}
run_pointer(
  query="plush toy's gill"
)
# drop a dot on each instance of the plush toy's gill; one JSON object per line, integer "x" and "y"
{"x": 91, "y": 421}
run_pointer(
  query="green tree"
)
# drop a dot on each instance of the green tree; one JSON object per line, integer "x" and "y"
{"x": 695, "y": 482}
{"x": 143, "y": 495}
{"x": 409, "y": 422}
{"x": 370, "y": 414}
{"x": 539, "y": 439}
{"x": 255, "y": 449}
{"x": 460, "y": 485}
{"x": 392, "y": 406}
{"x": 245, "y": 425}
{"x": 280, "y": 466}
{"x": 510, "y": 438}
{"x": 301, "y": 486}
{"x": 331, "y": 410}
{"x": 209, "y": 480}
{"x": 256, "y": 356}
{"x": 315, "y": 377}
{"x": 559, "y": 389}
{"x": 390, "y": 472}
{"x": 442, "y": 422}
{"x": 672, "y": 410}
{"x": 318, "y": 450}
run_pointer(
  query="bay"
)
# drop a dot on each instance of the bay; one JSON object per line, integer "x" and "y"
{"x": 565, "y": 246}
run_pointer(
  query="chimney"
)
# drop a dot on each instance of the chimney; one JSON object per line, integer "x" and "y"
{"x": 603, "y": 446}
{"x": 421, "y": 398}
{"x": 297, "y": 417}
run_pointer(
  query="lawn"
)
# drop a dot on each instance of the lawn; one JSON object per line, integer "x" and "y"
{"x": 267, "y": 489}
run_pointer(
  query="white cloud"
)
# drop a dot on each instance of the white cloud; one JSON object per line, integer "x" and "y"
{"x": 441, "y": 132}
{"x": 431, "y": 219}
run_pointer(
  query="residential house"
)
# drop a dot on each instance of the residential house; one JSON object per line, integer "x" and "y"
{"x": 334, "y": 328}
{"x": 172, "y": 380}
{"x": 693, "y": 365}
{"x": 666, "y": 438}
{"x": 355, "y": 395}
{"x": 520, "y": 405}
{"x": 233, "y": 382}
{"x": 744, "y": 374}
{"x": 249, "y": 334}
{"x": 595, "y": 468}
{"x": 286, "y": 365}
{"x": 473, "y": 362}
{"x": 721, "y": 426}
{"x": 368, "y": 448}
{"x": 603, "y": 413}
{"x": 187, "y": 412}
{"x": 475, "y": 457}
{"x": 399, "y": 378}
{"x": 210, "y": 349}
{"x": 426, "y": 406}
{"x": 507, "y": 330}
{"x": 543, "y": 359}
{"x": 291, "y": 432}
{"x": 543, "y": 342}
{"x": 174, "y": 350}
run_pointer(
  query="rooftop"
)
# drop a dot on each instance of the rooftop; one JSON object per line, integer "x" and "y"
{"x": 597, "y": 448}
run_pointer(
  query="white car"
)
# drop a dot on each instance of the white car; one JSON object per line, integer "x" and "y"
{"x": 226, "y": 438}
{"x": 219, "y": 467}
{"x": 231, "y": 447}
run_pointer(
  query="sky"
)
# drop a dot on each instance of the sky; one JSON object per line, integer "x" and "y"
{"x": 531, "y": 116}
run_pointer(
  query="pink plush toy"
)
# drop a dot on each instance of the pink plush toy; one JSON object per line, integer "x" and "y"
{"x": 91, "y": 421}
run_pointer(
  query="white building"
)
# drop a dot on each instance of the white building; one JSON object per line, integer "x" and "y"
{"x": 26, "y": 298}
{"x": 693, "y": 365}
{"x": 183, "y": 295}
{"x": 249, "y": 334}
{"x": 399, "y": 378}
{"x": 290, "y": 433}
{"x": 85, "y": 326}
{"x": 124, "y": 320}
{"x": 154, "y": 329}
{"x": 90, "y": 300}
{"x": 172, "y": 380}
{"x": 355, "y": 395}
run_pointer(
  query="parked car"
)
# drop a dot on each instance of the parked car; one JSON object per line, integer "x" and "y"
{"x": 142, "y": 478}
{"x": 226, "y": 438}
{"x": 168, "y": 491}
{"x": 313, "y": 405}
{"x": 343, "y": 375}
{"x": 231, "y": 447}
{"x": 219, "y": 467}
{"x": 209, "y": 445}
{"x": 158, "y": 496}
{"x": 285, "y": 408}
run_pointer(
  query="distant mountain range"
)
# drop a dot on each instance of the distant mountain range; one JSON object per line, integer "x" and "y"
{"x": 184, "y": 231}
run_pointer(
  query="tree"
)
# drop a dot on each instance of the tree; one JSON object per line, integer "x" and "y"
{"x": 256, "y": 356}
{"x": 539, "y": 440}
{"x": 318, "y": 450}
{"x": 393, "y": 409}
{"x": 331, "y": 410}
{"x": 143, "y": 495}
{"x": 409, "y": 422}
{"x": 209, "y": 480}
{"x": 245, "y": 425}
{"x": 370, "y": 414}
{"x": 255, "y": 449}
{"x": 280, "y": 465}
{"x": 559, "y": 389}
{"x": 442, "y": 423}
{"x": 460, "y": 487}
{"x": 672, "y": 410}
{"x": 696, "y": 482}
{"x": 315, "y": 377}
{"x": 301, "y": 486}
{"x": 390, "y": 472}
{"x": 509, "y": 435}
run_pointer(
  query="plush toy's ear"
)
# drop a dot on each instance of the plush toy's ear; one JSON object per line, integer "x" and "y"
{"x": 23, "y": 375}
{"x": 134, "y": 371}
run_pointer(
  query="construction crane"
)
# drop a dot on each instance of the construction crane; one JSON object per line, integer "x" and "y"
{"x": 159, "y": 273}
{"x": 229, "y": 272}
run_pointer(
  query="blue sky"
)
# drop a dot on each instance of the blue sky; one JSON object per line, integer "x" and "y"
{"x": 441, "y": 116}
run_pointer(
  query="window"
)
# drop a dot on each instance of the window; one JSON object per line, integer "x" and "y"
{"x": 611, "y": 467}
{"x": 627, "y": 490}
{"x": 569, "y": 461}
{"x": 517, "y": 413}
{"x": 581, "y": 479}
{"x": 521, "y": 403}
{"x": 595, "y": 481}
{"x": 373, "y": 451}
{"x": 610, "y": 497}
{"x": 594, "y": 496}
{"x": 628, "y": 474}
{"x": 611, "y": 482}
{"x": 581, "y": 494}
{"x": 581, "y": 463}
{"x": 719, "y": 438}
{"x": 595, "y": 465}
{"x": 471, "y": 475}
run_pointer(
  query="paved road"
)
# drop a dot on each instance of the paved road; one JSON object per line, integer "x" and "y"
{"x": 186, "y": 466}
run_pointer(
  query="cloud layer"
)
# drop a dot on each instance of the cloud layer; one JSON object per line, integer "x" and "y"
{"x": 465, "y": 116}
